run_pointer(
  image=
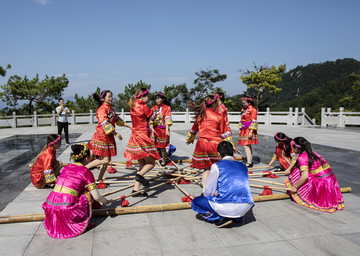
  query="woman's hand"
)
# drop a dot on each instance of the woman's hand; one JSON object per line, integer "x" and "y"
{"x": 287, "y": 172}
{"x": 250, "y": 135}
{"x": 269, "y": 166}
{"x": 167, "y": 133}
{"x": 118, "y": 136}
{"x": 106, "y": 202}
{"x": 293, "y": 190}
{"x": 236, "y": 150}
{"x": 189, "y": 142}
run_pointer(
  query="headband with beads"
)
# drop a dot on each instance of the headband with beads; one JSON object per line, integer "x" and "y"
{"x": 295, "y": 145}
{"x": 247, "y": 98}
{"x": 279, "y": 139}
{"x": 103, "y": 94}
{"x": 81, "y": 154}
{"x": 209, "y": 102}
{"x": 142, "y": 94}
{"x": 55, "y": 141}
{"x": 160, "y": 93}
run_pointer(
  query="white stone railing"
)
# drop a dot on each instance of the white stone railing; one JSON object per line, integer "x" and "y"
{"x": 339, "y": 119}
{"x": 291, "y": 117}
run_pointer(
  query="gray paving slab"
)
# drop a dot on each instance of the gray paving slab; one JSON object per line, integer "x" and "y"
{"x": 271, "y": 228}
{"x": 276, "y": 248}
{"x": 328, "y": 244}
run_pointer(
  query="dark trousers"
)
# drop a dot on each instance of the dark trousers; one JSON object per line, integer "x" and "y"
{"x": 64, "y": 126}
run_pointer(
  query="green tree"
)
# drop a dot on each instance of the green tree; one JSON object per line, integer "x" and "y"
{"x": 3, "y": 70}
{"x": 82, "y": 104}
{"x": 33, "y": 91}
{"x": 122, "y": 98}
{"x": 204, "y": 83}
{"x": 178, "y": 96}
{"x": 262, "y": 79}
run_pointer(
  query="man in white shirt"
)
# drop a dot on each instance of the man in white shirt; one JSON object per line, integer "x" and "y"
{"x": 227, "y": 196}
{"x": 62, "y": 123}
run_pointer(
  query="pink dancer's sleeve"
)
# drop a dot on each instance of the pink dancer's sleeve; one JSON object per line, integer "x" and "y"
{"x": 89, "y": 180}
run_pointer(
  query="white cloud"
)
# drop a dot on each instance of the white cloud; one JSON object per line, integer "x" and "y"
{"x": 42, "y": 2}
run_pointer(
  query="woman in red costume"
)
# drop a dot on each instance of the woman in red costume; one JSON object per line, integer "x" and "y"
{"x": 140, "y": 146}
{"x": 103, "y": 143}
{"x": 248, "y": 128}
{"x": 46, "y": 168}
{"x": 160, "y": 127}
{"x": 212, "y": 129}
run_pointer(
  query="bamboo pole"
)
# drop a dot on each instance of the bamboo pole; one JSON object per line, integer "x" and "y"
{"x": 139, "y": 209}
{"x": 115, "y": 181}
{"x": 183, "y": 190}
{"x": 201, "y": 185}
{"x": 262, "y": 174}
{"x": 126, "y": 187}
{"x": 257, "y": 167}
{"x": 275, "y": 188}
{"x": 269, "y": 182}
{"x": 145, "y": 189}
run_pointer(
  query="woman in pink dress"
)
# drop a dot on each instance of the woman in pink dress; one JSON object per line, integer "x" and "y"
{"x": 68, "y": 207}
{"x": 313, "y": 184}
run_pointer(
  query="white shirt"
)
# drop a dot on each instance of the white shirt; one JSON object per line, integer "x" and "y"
{"x": 228, "y": 210}
{"x": 63, "y": 115}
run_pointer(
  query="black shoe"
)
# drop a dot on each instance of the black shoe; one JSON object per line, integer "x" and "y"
{"x": 142, "y": 180}
{"x": 249, "y": 165}
{"x": 224, "y": 222}
{"x": 164, "y": 163}
{"x": 143, "y": 194}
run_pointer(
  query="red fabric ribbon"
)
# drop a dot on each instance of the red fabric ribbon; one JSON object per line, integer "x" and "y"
{"x": 124, "y": 202}
{"x": 270, "y": 175}
{"x": 101, "y": 185}
{"x": 96, "y": 205}
{"x": 183, "y": 181}
{"x": 129, "y": 163}
{"x": 250, "y": 172}
{"x": 186, "y": 199}
{"x": 267, "y": 191}
{"x": 111, "y": 170}
{"x": 170, "y": 163}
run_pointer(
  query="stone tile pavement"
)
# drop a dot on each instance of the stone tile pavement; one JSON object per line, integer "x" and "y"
{"x": 271, "y": 228}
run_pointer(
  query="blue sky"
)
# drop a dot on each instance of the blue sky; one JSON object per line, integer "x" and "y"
{"x": 111, "y": 43}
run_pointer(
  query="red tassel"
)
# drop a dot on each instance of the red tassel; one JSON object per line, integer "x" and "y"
{"x": 186, "y": 199}
{"x": 111, "y": 170}
{"x": 96, "y": 205}
{"x": 250, "y": 172}
{"x": 183, "y": 181}
{"x": 124, "y": 202}
{"x": 270, "y": 175}
{"x": 129, "y": 163}
{"x": 191, "y": 164}
{"x": 267, "y": 191}
{"x": 101, "y": 185}
{"x": 170, "y": 163}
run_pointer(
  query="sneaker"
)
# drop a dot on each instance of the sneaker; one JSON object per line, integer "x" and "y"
{"x": 224, "y": 222}
{"x": 142, "y": 180}
{"x": 143, "y": 194}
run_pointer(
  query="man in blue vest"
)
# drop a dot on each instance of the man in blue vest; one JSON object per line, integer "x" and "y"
{"x": 227, "y": 196}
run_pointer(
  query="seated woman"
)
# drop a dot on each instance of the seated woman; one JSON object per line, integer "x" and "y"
{"x": 284, "y": 153}
{"x": 46, "y": 168}
{"x": 313, "y": 184}
{"x": 68, "y": 207}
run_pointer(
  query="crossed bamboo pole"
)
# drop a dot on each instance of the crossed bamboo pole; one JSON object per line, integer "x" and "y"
{"x": 139, "y": 209}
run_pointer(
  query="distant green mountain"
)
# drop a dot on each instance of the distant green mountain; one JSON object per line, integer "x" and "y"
{"x": 329, "y": 84}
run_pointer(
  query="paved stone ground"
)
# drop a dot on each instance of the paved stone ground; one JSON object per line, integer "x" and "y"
{"x": 271, "y": 228}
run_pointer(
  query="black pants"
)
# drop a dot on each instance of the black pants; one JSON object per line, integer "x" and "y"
{"x": 64, "y": 126}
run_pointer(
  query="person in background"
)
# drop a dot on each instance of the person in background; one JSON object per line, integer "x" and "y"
{"x": 63, "y": 111}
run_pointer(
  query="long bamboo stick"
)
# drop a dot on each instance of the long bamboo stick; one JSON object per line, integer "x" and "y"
{"x": 275, "y": 188}
{"x": 257, "y": 167}
{"x": 262, "y": 174}
{"x": 145, "y": 189}
{"x": 115, "y": 181}
{"x": 126, "y": 187}
{"x": 138, "y": 209}
{"x": 265, "y": 181}
{"x": 183, "y": 190}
